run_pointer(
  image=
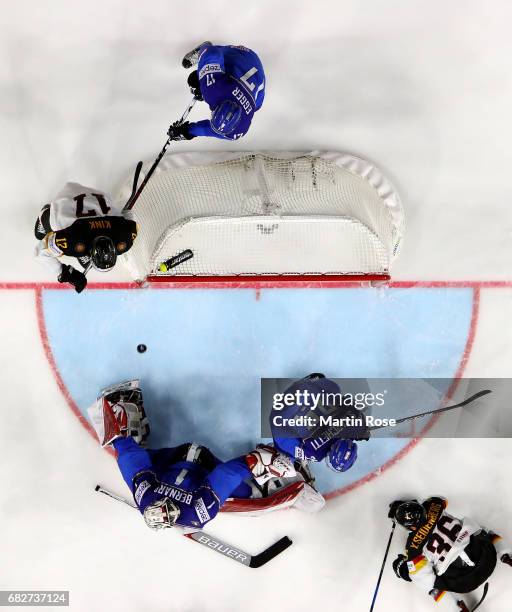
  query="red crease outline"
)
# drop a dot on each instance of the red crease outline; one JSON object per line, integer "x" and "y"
{"x": 55, "y": 370}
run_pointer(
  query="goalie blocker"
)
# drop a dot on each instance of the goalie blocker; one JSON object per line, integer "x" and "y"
{"x": 187, "y": 485}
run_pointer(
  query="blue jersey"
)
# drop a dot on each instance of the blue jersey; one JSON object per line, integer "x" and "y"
{"x": 310, "y": 449}
{"x": 230, "y": 73}
{"x": 197, "y": 491}
{"x": 312, "y": 443}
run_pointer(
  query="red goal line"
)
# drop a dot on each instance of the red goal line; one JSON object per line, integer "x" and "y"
{"x": 264, "y": 282}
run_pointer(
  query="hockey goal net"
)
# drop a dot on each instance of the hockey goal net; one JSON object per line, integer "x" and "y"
{"x": 282, "y": 216}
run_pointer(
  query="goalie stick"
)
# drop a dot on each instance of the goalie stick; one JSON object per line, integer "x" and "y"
{"x": 136, "y": 192}
{"x": 199, "y": 536}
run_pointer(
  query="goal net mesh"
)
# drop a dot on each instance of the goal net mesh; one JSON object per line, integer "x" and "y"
{"x": 255, "y": 214}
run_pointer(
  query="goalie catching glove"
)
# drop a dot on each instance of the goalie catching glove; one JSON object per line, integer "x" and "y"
{"x": 265, "y": 462}
{"x": 119, "y": 412}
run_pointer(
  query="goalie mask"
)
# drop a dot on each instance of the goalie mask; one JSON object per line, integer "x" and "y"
{"x": 162, "y": 514}
{"x": 103, "y": 254}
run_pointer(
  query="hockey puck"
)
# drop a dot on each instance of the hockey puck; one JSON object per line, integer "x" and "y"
{"x": 141, "y": 348}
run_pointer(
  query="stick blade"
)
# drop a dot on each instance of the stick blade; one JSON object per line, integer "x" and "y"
{"x": 484, "y": 595}
{"x": 478, "y": 395}
{"x": 269, "y": 553}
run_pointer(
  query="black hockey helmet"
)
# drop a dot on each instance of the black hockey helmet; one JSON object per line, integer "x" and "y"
{"x": 103, "y": 253}
{"x": 410, "y": 514}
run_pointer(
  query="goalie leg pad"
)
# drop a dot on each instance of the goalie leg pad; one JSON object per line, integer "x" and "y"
{"x": 108, "y": 420}
{"x": 278, "y": 494}
{"x": 265, "y": 462}
{"x": 119, "y": 411}
{"x": 310, "y": 500}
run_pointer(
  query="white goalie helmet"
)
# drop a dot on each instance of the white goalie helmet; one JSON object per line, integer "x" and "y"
{"x": 162, "y": 514}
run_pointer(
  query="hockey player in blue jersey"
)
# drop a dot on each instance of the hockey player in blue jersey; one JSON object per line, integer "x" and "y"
{"x": 338, "y": 447}
{"x": 231, "y": 80}
{"x": 185, "y": 485}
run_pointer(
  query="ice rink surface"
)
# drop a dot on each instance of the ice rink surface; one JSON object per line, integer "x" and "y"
{"x": 422, "y": 89}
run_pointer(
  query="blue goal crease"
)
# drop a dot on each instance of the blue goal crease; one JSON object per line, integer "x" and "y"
{"x": 208, "y": 348}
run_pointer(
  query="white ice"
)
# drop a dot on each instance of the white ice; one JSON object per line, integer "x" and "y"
{"x": 87, "y": 88}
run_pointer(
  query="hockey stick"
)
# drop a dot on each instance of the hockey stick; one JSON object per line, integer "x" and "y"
{"x": 136, "y": 175}
{"x": 252, "y": 561}
{"x": 135, "y": 196}
{"x": 484, "y": 595}
{"x": 333, "y": 432}
{"x": 199, "y": 536}
{"x": 439, "y": 410}
{"x": 382, "y": 567}
{"x": 100, "y": 489}
{"x": 85, "y": 271}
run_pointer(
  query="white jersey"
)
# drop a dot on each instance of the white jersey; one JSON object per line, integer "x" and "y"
{"x": 437, "y": 544}
{"x": 448, "y": 540}
{"x": 75, "y": 201}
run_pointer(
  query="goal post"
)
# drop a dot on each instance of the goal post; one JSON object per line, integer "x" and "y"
{"x": 270, "y": 216}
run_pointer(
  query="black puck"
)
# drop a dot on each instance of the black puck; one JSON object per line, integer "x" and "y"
{"x": 141, "y": 348}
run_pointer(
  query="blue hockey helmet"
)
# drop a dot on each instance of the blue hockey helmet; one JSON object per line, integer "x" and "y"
{"x": 225, "y": 117}
{"x": 342, "y": 455}
{"x": 316, "y": 384}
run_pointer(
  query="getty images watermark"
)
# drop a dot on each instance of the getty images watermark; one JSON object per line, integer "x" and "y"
{"x": 379, "y": 407}
{"x": 324, "y": 409}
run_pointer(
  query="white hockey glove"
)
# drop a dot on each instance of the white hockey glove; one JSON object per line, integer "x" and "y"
{"x": 265, "y": 462}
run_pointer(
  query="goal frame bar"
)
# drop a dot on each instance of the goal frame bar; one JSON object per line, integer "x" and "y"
{"x": 278, "y": 279}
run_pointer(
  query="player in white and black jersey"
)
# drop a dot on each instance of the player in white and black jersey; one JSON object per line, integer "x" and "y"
{"x": 444, "y": 555}
{"x": 83, "y": 223}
